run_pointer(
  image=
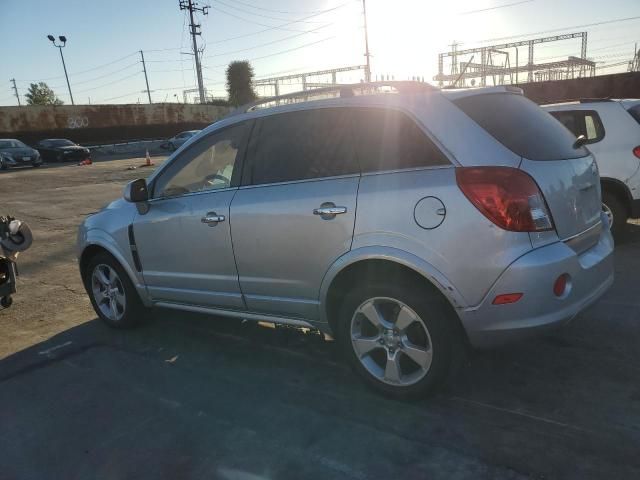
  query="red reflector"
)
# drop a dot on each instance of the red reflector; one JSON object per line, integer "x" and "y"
{"x": 507, "y": 298}
{"x": 560, "y": 286}
{"x": 636, "y": 151}
{"x": 508, "y": 197}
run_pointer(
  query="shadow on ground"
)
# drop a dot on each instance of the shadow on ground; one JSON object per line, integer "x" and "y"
{"x": 188, "y": 396}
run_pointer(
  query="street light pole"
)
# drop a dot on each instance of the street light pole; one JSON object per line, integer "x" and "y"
{"x": 63, "y": 39}
{"x": 367, "y": 72}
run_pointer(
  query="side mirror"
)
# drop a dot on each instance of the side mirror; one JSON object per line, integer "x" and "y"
{"x": 136, "y": 191}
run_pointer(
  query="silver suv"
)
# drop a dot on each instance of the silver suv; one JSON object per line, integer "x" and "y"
{"x": 400, "y": 219}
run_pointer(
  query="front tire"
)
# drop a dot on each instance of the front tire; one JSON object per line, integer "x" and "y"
{"x": 398, "y": 338}
{"x": 112, "y": 294}
{"x": 616, "y": 211}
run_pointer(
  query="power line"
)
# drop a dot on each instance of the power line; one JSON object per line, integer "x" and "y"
{"x": 81, "y": 72}
{"x": 283, "y": 25}
{"x": 267, "y": 43}
{"x": 605, "y": 22}
{"x": 274, "y": 27}
{"x": 107, "y": 74}
{"x": 121, "y": 96}
{"x": 480, "y": 10}
{"x": 111, "y": 83}
{"x": 280, "y": 52}
{"x": 260, "y": 14}
{"x": 275, "y": 11}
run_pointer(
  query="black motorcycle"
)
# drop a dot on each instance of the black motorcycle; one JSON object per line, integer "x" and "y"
{"x": 15, "y": 237}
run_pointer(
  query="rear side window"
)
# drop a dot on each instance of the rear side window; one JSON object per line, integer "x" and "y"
{"x": 582, "y": 122}
{"x": 521, "y": 126}
{"x": 300, "y": 146}
{"x": 390, "y": 140}
{"x": 635, "y": 112}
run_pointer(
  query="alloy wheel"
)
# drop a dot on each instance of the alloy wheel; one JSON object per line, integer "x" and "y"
{"x": 108, "y": 292}
{"x": 391, "y": 341}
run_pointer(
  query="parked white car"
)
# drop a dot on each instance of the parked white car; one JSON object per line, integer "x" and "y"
{"x": 612, "y": 131}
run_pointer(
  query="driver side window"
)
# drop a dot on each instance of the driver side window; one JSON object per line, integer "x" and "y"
{"x": 207, "y": 165}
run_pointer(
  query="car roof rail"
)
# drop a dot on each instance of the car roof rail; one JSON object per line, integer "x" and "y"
{"x": 336, "y": 91}
{"x": 594, "y": 100}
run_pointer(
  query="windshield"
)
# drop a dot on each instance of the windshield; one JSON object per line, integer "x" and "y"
{"x": 11, "y": 144}
{"x": 61, "y": 143}
{"x": 521, "y": 126}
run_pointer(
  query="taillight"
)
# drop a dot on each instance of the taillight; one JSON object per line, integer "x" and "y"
{"x": 636, "y": 151}
{"x": 508, "y": 197}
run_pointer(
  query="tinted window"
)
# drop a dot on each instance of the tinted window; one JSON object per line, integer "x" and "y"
{"x": 301, "y": 145}
{"x": 61, "y": 143}
{"x": 390, "y": 140}
{"x": 207, "y": 165}
{"x": 521, "y": 126}
{"x": 582, "y": 122}
{"x": 635, "y": 112}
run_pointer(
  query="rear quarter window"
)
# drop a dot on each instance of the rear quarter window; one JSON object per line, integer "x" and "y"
{"x": 635, "y": 112}
{"x": 582, "y": 122}
{"x": 521, "y": 126}
{"x": 390, "y": 140}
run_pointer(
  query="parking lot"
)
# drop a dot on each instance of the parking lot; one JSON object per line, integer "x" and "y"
{"x": 189, "y": 396}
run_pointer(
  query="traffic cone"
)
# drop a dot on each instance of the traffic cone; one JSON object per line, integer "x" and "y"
{"x": 148, "y": 162}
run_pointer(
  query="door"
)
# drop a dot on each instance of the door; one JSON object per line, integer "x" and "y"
{"x": 295, "y": 213}
{"x": 184, "y": 240}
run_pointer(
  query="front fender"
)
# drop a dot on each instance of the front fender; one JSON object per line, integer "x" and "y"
{"x": 102, "y": 239}
{"x": 396, "y": 255}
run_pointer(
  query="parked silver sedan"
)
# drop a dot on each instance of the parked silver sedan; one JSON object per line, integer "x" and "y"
{"x": 403, "y": 220}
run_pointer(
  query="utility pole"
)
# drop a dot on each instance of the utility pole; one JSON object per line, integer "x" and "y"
{"x": 192, "y": 6}
{"x": 146, "y": 79}
{"x": 367, "y": 71}
{"x": 15, "y": 89}
{"x": 63, "y": 41}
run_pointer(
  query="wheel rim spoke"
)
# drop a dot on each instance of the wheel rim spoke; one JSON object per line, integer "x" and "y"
{"x": 364, "y": 345}
{"x": 405, "y": 318}
{"x": 102, "y": 277}
{"x": 392, "y": 372}
{"x": 419, "y": 355}
{"x": 373, "y": 314}
{"x": 113, "y": 305}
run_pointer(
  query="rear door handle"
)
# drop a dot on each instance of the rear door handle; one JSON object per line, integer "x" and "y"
{"x": 212, "y": 219}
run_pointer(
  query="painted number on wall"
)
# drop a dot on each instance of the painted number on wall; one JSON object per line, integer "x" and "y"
{"x": 77, "y": 122}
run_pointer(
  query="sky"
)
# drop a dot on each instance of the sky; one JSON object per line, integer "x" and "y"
{"x": 280, "y": 37}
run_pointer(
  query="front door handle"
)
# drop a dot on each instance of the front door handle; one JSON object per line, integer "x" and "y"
{"x": 212, "y": 219}
{"x": 329, "y": 210}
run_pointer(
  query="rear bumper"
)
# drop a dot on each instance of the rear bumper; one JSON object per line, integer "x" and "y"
{"x": 539, "y": 309}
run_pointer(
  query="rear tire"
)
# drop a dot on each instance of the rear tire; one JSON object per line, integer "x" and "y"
{"x": 406, "y": 352}
{"x": 6, "y": 302}
{"x": 617, "y": 212}
{"x": 112, "y": 294}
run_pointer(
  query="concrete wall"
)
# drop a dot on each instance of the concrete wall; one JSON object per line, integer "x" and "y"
{"x": 619, "y": 85}
{"x": 105, "y": 123}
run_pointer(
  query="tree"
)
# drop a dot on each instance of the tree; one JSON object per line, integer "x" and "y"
{"x": 41, "y": 94}
{"x": 240, "y": 83}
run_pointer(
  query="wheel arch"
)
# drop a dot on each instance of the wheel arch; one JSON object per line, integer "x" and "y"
{"x": 388, "y": 264}
{"x": 96, "y": 246}
{"x": 619, "y": 189}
